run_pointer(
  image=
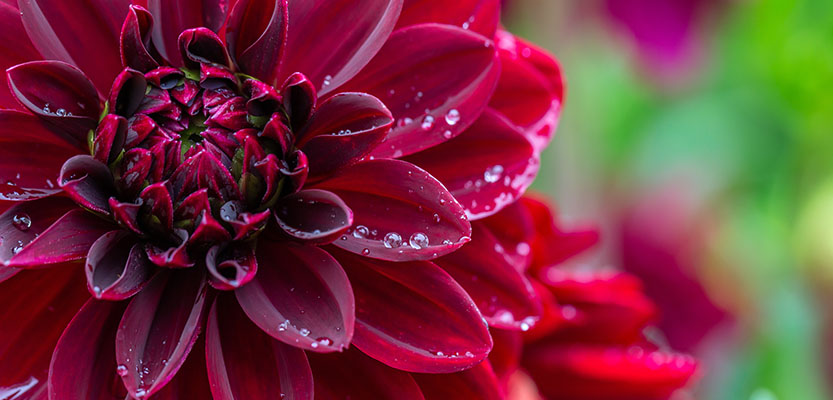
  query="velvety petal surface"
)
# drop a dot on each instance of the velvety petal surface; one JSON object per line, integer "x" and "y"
{"x": 343, "y": 129}
{"x": 356, "y": 376}
{"x": 59, "y": 94}
{"x": 486, "y": 168}
{"x": 481, "y": 16}
{"x": 84, "y": 365}
{"x": 246, "y": 363}
{"x": 84, "y": 33}
{"x": 256, "y": 37}
{"x": 159, "y": 328}
{"x": 330, "y": 42}
{"x": 30, "y": 157}
{"x": 300, "y": 296}
{"x": 15, "y": 48}
{"x": 477, "y": 383}
{"x": 41, "y": 302}
{"x": 313, "y": 215}
{"x": 436, "y": 80}
{"x": 502, "y": 293}
{"x": 414, "y": 317}
{"x": 191, "y": 382}
{"x": 173, "y": 17}
{"x": 400, "y": 212}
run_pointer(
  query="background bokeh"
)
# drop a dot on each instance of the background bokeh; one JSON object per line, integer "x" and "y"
{"x": 698, "y": 134}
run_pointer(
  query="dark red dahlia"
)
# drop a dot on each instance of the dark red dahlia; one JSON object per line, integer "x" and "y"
{"x": 246, "y": 186}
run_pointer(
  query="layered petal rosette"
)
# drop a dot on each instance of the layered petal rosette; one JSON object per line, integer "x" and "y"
{"x": 262, "y": 199}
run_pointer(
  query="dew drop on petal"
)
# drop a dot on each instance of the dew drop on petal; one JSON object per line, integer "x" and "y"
{"x": 304, "y": 332}
{"x": 427, "y": 123}
{"x": 493, "y": 173}
{"x": 139, "y": 393}
{"x": 360, "y": 232}
{"x": 18, "y": 248}
{"x": 283, "y": 326}
{"x": 447, "y": 134}
{"x": 452, "y": 117}
{"x": 22, "y": 222}
{"x": 392, "y": 240}
{"x": 121, "y": 369}
{"x": 365, "y": 251}
{"x": 418, "y": 240}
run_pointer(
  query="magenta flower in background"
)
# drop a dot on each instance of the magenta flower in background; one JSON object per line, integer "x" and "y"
{"x": 241, "y": 200}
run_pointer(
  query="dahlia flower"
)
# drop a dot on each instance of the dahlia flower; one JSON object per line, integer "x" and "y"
{"x": 242, "y": 200}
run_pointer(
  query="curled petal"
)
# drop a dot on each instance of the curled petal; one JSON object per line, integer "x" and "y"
{"x": 175, "y": 256}
{"x": 341, "y": 49}
{"x": 201, "y": 45}
{"x": 127, "y": 92}
{"x": 31, "y": 157}
{"x": 354, "y": 375}
{"x": 71, "y": 31}
{"x": 435, "y": 79}
{"x": 296, "y": 168}
{"x": 343, "y": 129}
{"x": 400, "y": 212}
{"x": 84, "y": 365}
{"x": 135, "y": 40}
{"x": 401, "y": 310}
{"x": 117, "y": 267}
{"x": 88, "y": 182}
{"x": 109, "y": 138}
{"x": 313, "y": 215}
{"x": 156, "y": 199}
{"x": 21, "y": 223}
{"x": 486, "y": 168}
{"x": 300, "y": 296}
{"x": 299, "y": 99}
{"x": 256, "y": 36}
{"x": 58, "y": 93}
{"x": 481, "y": 16}
{"x": 232, "y": 267}
{"x": 158, "y": 329}
{"x": 502, "y": 293}
{"x": 38, "y": 305}
{"x": 67, "y": 239}
{"x": 173, "y": 17}
{"x": 245, "y": 363}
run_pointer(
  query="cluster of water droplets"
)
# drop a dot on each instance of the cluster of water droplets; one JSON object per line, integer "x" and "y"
{"x": 58, "y": 113}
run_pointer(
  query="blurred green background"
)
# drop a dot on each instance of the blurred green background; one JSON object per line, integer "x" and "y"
{"x": 698, "y": 134}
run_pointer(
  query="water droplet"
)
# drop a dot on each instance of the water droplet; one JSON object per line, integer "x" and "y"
{"x": 493, "y": 173}
{"x": 418, "y": 240}
{"x": 61, "y": 112}
{"x": 230, "y": 211}
{"x": 121, "y": 369}
{"x": 447, "y": 134}
{"x": 97, "y": 290}
{"x": 452, "y": 117}
{"x": 22, "y": 222}
{"x": 304, "y": 332}
{"x": 139, "y": 393}
{"x": 283, "y": 326}
{"x": 18, "y": 248}
{"x": 447, "y": 242}
{"x": 327, "y": 81}
{"x": 365, "y": 251}
{"x": 427, "y": 123}
{"x": 46, "y": 109}
{"x": 392, "y": 240}
{"x": 465, "y": 25}
{"x": 324, "y": 341}
{"x": 437, "y": 218}
{"x": 361, "y": 232}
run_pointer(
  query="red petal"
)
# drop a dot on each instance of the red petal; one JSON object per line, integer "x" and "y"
{"x": 158, "y": 329}
{"x": 23, "y": 222}
{"x": 191, "y": 382}
{"x": 30, "y": 157}
{"x": 15, "y": 48}
{"x": 256, "y": 36}
{"x": 585, "y": 372}
{"x": 401, "y": 212}
{"x": 486, "y": 168}
{"x": 82, "y": 33}
{"x": 300, "y": 296}
{"x": 127, "y": 93}
{"x": 531, "y": 89}
{"x": 481, "y": 16}
{"x": 68, "y": 239}
{"x": 60, "y": 94}
{"x": 37, "y": 306}
{"x": 88, "y": 182}
{"x": 336, "y": 50}
{"x": 84, "y": 365}
{"x": 173, "y": 17}
{"x": 354, "y": 375}
{"x": 135, "y": 40}
{"x": 343, "y": 129}
{"x": 551, "y": 245}
{"x": 477, "y": 383}
{"x": 435, "y": 79}
{"x": 313, "y": 215}
{"x": 109, "y": 138}
{"x": 245, "y": 363}
{"x": 117, "y": 266}
{"x": 414, "y": 316}
{"x": 502, "y": 293}
{"x": 514, "y": 229}
{"x": 506, "y": 354}
{"x": 231, "y": 267}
